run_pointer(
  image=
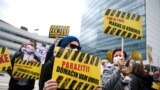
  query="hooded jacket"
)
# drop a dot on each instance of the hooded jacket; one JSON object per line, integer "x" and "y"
{"x": 48, "y": 67}
{"x": 111, "y": 79}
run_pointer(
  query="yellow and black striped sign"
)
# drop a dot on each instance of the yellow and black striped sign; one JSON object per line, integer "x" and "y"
{"x": 123, "y": 24}
{"x": 136, "y": 55}
{"x": 27, "y": 69}
{"x": 58, "y": 31}
{"x": 109, "y": 55}
{"x": 156, "y": 85}
{"x": 76, "y": 70}
{"x": 5, "y": 62}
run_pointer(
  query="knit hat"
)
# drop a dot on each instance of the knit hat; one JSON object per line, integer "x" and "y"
{"x": 64, "y": 41}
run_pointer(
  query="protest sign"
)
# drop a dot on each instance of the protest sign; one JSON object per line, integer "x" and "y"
{"x": 136, "y": 55}
{"x": 27, "y": 69}
{"x": 123, "y": 24}
{"x": 5, "y": 62}
{"x": 76, "y": 70}
{"x": 109, "y": 55}
{"x": 58, "y": 31}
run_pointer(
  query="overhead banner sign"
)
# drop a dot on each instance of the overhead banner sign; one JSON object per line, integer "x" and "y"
{"x": 123, "y": 24}
{"x": 27, "y": 69}
{"x": 58, "y": 31}
{"x": 5, "y": 62}
{"x": 76, "y": 70}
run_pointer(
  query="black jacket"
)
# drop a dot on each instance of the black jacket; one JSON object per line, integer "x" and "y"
{"x": 138, "y": 82}
{"x": 49, "y": 54}
{"x": 46, "y": 74}
{"x": 13, "y": 82}
{"x": 48, "y": 67}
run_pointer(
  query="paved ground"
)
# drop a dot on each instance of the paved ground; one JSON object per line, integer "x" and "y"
{"x": 4, "y": 79}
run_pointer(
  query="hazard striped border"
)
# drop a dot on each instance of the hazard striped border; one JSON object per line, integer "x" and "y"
{"x": 77, "y": 56}
{"x": 26, "y": 63}
{"x": 58, "y": 31}
{"x": 120, "y": 32}
{"x": 85, "y": 58}
{"x": 2, "y": 51}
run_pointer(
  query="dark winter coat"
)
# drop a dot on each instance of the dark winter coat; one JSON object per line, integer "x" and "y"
{"x": 111, "y": 79}
{"x": 138, "y": 83}
{"x": 48, "y": 67}
{"x": 13, "y": 82}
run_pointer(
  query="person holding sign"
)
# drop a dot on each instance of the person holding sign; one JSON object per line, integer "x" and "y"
{"x": 112, "y": 76}
{"x": 140, "y": 78}
{"x": 105, "y": 64}
{"x": 46, "y": 83}
{"x": 18, "y": 83}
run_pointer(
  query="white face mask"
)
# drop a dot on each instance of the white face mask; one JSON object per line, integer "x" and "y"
{"x": 116, "y": 59}
{"x": 30, "y": 49}
{"x": 130, "y": 65}
{"x": 75, "y": 49}
{"x": 23, "y": 49}
{"x": 105, "y": 65}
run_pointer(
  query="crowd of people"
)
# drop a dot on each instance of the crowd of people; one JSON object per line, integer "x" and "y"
{"x": 125, "y": 74}
{"x": 122, "y": 74}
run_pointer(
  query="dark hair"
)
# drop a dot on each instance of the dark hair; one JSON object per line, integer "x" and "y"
{"x": 34, "y": 41}
{"x": 119, "y": 49}
{"x": 138, "y": 69}
{"x": 22, "y": 45}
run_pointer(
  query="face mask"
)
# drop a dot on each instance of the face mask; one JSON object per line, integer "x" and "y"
{"x": 139, "y": 62}
{"x": 30, "y": 49}
{"x": 23, "y": 49}
{"x": 105, "y": 64}
{"x": 130, "y": 65}
{"x": 116, "y": 59}
{"x": 75, "y": 49}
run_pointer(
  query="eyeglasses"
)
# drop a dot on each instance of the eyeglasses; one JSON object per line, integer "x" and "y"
{"x": 73, "y": 46}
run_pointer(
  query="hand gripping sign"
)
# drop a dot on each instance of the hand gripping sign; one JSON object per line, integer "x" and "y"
{"x": 5, "y": 62}
{"x": 76, "y": 70}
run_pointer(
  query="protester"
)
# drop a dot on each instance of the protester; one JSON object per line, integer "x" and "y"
{"x": 46, "y": 83}
{"x": 156, "y": 76}
{"x": 40, "y": 52}
{"x": 150, "y": 79}
{"x": 138, "y": 78}
{"x": 104, "y": 65}
{"x": 22, "y": 48}
{"x": 17, "y": 83}
{"x": 113, "y": 75}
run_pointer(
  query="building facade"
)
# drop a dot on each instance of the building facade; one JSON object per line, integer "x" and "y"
{"x": 12, "y": 37}
{"x": 94, "y": 41}
{"x": 153, "y": 30}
